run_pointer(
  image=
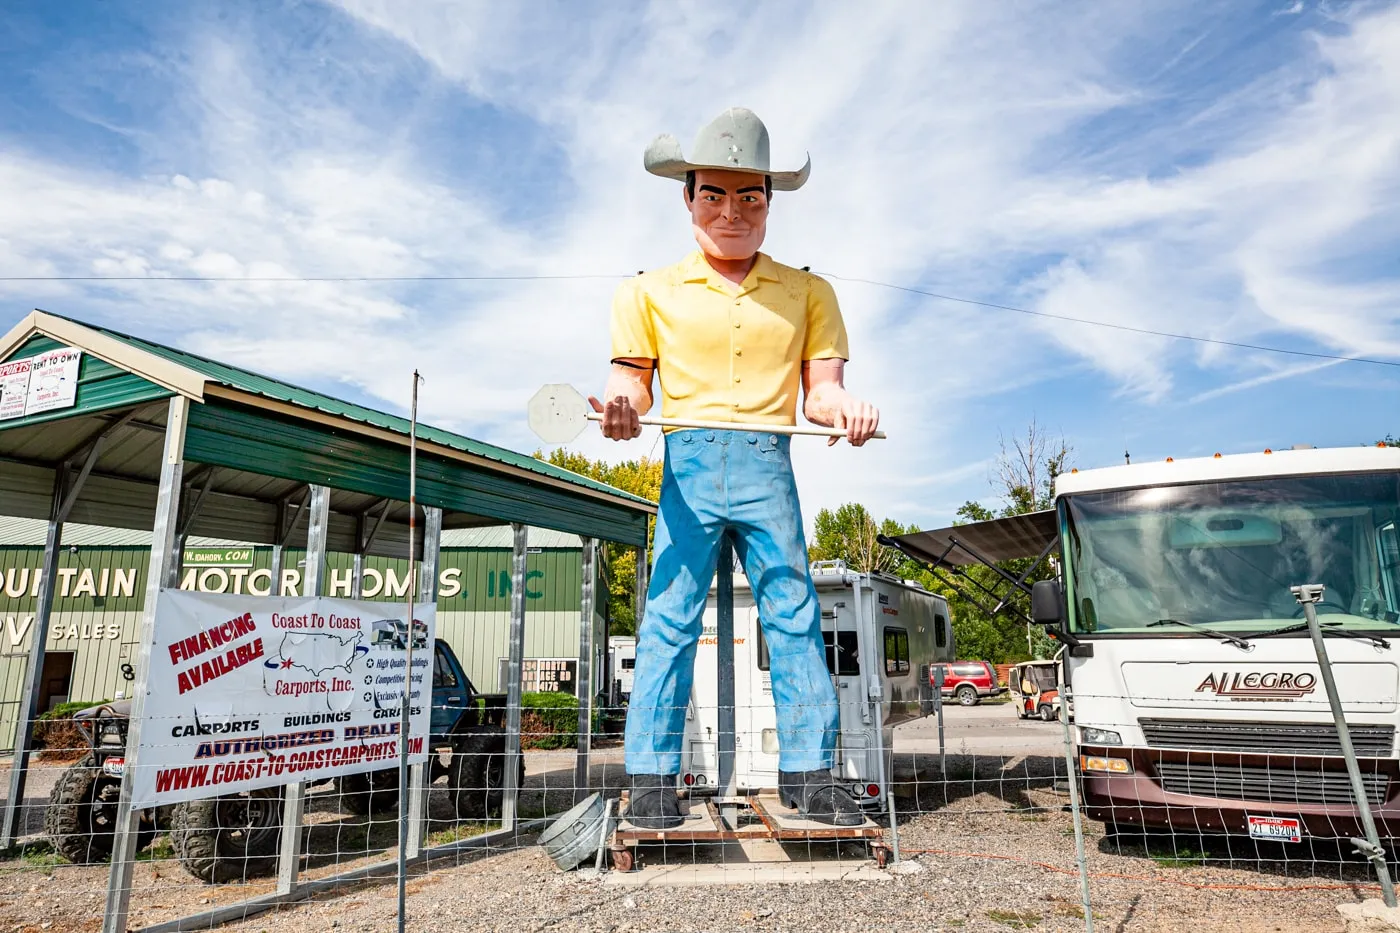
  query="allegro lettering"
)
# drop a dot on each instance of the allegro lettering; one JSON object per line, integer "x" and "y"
{"x": 1281, "y": 685}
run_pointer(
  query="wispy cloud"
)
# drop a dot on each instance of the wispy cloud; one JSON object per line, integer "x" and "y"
{"x": 1179, "y": 168}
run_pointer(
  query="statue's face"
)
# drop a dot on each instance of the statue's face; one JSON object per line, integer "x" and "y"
{"x": 729, "y": 212}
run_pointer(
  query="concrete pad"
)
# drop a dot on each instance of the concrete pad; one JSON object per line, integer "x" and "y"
{"x": 1370, "y": 915}
{"x": 689, "y": 876}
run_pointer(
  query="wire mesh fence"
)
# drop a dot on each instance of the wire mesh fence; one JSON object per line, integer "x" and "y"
{"x": 982, "y": 820}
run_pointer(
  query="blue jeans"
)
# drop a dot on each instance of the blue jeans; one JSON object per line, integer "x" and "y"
{"x": 740, "y": 482}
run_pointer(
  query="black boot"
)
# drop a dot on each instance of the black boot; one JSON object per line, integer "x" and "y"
{"x": 653, "y": 803}
{"x": 816, "y": 796}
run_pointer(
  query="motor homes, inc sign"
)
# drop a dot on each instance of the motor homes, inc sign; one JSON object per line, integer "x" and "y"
{"x": 107, "y": 579}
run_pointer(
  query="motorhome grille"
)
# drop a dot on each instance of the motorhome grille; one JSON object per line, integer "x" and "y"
{"x": 1272, "y": 785}
{"x": 1301, "y": 738}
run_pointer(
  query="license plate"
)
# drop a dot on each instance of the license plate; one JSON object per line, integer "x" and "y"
{"x": 113, "y": 767}
{"x": 1280, "y": 829}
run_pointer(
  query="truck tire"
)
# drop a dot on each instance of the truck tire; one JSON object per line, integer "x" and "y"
{"x": 370, "y": 791}
{"x": 81, "y": 818}
{"x": 228, "y": 838}
{"x": 478, "y": 774}
{"x": 967, "y": 695}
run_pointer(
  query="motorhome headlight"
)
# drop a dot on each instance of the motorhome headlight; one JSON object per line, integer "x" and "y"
{"x": 1103, "y": 765}
{"x": 1090, "y": 736}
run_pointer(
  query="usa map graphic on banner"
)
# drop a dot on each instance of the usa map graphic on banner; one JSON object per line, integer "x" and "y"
{"x": 246, "y": 692}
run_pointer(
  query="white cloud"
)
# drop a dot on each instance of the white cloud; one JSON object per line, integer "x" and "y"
{"x": 955, "y": 149}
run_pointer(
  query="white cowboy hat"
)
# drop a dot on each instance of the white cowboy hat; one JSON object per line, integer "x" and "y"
{"x": 736, "y": 140}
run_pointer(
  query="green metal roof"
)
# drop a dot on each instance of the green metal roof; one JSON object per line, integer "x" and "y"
{"x": 32, "y": 532}
{"x": 267, "y": 387}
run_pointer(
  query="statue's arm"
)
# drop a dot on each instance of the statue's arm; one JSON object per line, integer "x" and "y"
{"x": 826, "y": 401}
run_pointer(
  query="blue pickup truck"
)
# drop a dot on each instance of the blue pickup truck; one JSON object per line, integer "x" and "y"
{"x": 236, "y": 836}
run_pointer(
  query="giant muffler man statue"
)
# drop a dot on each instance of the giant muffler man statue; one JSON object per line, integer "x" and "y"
{"x": 732, "y": 335}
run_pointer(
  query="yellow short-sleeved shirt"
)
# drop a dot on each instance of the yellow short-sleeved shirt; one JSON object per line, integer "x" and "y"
{"x": 728, "y": 352}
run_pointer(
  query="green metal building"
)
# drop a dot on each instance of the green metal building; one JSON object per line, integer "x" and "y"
{"x": 102, "y": 584}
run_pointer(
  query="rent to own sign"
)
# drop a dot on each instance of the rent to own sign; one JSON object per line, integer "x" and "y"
{"x": 246, "y": 692}
{"x": 41, "y": 383}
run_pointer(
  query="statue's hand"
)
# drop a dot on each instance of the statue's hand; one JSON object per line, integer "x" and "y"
{"x": 620, "y": 420}
{"x": 860, "y": 419}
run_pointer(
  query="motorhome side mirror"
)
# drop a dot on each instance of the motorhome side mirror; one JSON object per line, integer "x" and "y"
{"x": 1046, "y": 603}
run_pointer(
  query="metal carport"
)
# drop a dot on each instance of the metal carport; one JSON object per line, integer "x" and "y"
{"x": 162, "y": 439}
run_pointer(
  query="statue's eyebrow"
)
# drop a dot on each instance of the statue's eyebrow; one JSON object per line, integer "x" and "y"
{"x": 715, "y": 188}
{"x": 750, "y": 188}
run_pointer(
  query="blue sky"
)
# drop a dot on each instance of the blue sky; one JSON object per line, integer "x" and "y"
{"x": 1228, "y": 170}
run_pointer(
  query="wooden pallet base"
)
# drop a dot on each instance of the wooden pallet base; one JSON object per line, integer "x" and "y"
{"x": 755, "y": 817}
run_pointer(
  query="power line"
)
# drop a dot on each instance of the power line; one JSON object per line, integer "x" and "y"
{"x": 1124, "y": 327}
{"x": 596, "y": 276}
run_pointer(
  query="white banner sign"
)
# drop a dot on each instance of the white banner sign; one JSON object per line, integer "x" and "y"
{"x": 14, "y": 388}
{"x": 53, "y": 380}
{"x": 252, "y": 691}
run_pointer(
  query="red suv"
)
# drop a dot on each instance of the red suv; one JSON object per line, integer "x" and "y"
{"x": 968, "y": 681}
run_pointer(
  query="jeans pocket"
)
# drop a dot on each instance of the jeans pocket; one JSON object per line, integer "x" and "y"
{"x": 683, "y": 446}
{"x": 771, "y": 448}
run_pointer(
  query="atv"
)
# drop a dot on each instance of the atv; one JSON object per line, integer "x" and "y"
{"x": 236, "y": 836}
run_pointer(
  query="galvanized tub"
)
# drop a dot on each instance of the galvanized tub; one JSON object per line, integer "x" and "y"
{"x": 578, "y": 833}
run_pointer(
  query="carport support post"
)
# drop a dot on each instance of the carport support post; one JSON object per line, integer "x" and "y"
{"x": 510, "y": 796}
{"x": 313, "y": 582}
{"x": 427, "y": 596}
{"x": 162, "y": 554}
{"x": 583, "y": 684}
{"x": 13, "y": 825}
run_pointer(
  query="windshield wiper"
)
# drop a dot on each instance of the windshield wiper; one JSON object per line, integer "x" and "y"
{"x": 1221, "y": 636}
{"x": 1328, "y": 628}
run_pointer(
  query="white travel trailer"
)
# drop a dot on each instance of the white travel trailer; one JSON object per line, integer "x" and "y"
{"x": 622, "y": 660}
{"x": 900, "y": 626}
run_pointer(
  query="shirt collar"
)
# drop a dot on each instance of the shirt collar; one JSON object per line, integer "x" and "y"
{"x": 696, "y": 269}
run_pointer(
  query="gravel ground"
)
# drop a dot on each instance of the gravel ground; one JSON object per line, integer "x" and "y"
{"x": 992, "y": 854}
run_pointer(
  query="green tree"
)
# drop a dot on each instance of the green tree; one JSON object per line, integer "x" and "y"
{"x": 851, "y": 534}
{"x": 641, "y": 478}
{"x": 1024, "y": 480}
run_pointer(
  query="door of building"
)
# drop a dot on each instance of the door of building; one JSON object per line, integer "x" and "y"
{"x": 57, "y": 679}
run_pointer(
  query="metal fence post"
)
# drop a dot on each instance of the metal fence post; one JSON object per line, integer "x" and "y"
{"x": 510, "y": 803}
{"x": 12, "y": 825}
{"x": 724, "y": 642}
{"x": 583, "y": 684}
{"x": 162, "y": 546}
{"x": 313, "y": 582}
{"x": 1370, "y": 847}
{"x": 1076, "y": 812}
{"x": 427, "y": 596}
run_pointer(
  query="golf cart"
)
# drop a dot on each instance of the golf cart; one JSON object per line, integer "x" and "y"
{"x": 1035, "y": 689}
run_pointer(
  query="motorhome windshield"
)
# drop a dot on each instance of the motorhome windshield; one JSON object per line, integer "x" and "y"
{"x": 1224, "y": 554}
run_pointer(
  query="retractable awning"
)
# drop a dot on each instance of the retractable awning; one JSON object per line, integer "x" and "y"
{"x": 1016, "y": 536}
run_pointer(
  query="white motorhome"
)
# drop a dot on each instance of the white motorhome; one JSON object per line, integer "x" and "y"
{"x": 1197, "y": 695}
{"x": 900, "y": 626}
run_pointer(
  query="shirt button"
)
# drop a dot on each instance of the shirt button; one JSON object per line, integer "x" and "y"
{"x": 736, "y": 379}
{"x": 738, "y": 351}
{"x": 736, "y": 325}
